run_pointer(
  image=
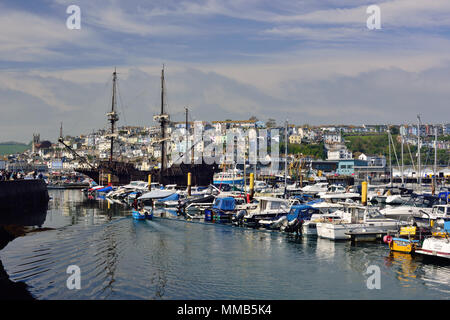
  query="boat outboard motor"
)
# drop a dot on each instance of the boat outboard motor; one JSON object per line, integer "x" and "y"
{"x": 293, "y": 226}
{"x": 278, "y": 223}
{"x": 181, "y": 207}
{"x": 239, "y": 216}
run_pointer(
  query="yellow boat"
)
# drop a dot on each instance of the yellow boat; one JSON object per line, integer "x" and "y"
{"x": 407, "y": 240}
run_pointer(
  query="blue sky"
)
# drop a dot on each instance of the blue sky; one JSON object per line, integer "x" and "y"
{"x": 307, "y": 61}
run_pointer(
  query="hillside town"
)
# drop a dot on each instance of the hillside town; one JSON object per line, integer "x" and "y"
{"x": 141, "y": 145}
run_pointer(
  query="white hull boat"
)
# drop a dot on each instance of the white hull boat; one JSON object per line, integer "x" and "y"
{"x": 372, "y": 221}
{"x": 437, "y": 247}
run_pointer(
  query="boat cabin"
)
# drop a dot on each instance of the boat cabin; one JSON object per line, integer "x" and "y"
{"x": 441, "y": 211}
{"x": 271, "y": 204}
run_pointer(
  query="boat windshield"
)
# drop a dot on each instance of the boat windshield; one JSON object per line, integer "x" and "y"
{"x": 374, "y": 213}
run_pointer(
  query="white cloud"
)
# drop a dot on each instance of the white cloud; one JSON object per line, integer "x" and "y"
{"x": 29, "y": 37}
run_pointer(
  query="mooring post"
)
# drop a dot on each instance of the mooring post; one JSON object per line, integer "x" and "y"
{"x": 364, "y": 193}
{"x": 252, "y": 185}
{"x": 189, "y": 183}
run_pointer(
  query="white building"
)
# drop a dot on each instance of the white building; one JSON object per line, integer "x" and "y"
{"x": 373, "y": 160}
{"x": 339, "y": 154}
{"x": 332, "y": 138}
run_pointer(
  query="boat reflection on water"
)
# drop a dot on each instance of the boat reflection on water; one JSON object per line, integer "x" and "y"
{"x": 326, "y": 249}
{"x": 411, "y": 269}
{"x": 404, "y": 265}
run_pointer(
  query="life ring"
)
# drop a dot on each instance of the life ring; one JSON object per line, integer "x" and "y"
{"x": 387, "y": 239}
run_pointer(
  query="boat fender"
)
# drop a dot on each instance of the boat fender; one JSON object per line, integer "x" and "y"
{"x": 387, "y": 239}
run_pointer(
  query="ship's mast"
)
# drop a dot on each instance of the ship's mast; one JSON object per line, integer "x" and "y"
{"x": 419, "y": 179}
{"x": 163, "y": 119}
{"x": 113, "y": 117}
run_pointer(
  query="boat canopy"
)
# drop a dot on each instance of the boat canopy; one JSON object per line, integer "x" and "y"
{"x": 444, "y": 195}
{"x": 225, "y": 204}
{"x": 301, "y": 212}
{"x": 172, "y": 197}
{"x": 156, "y": 194}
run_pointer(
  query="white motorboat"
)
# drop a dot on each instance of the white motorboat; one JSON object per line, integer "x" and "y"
{"x": 404, "y": 213}
{"x": 315, "y": 188}
{"x": 438, "y": 245}
{"x": 267, "y": 207}
{"x": 397, "y": 199}
{"x": 439, "y": 214}
{"x": 417, "y": 206}
{"x": 338, "y": 193}
{"x": 357, "y": 219}
{"x": 327, "y": 211}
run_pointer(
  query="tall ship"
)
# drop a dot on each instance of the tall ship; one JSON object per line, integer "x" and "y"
{"x": 120, "y": 172}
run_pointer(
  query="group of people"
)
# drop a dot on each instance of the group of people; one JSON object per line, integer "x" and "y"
{"x": 6, "y": 175}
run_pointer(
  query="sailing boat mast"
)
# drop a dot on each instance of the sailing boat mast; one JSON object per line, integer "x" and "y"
{"x": 163, "y": 119}
{"x": 435, "y": 162}
{"x": 113, "y": 117}
{"x": 419, "y": 180}
{"x": 186, "y": 154}
{"x": 285, "y": 157}
{"x": 401, "y": 135}
{"x": 390, "y": 158}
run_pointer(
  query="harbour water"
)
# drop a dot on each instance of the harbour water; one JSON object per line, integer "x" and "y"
{"x": 170, "y": 258}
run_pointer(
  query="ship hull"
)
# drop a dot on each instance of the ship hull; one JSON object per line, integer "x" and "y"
{"x": 122, "y": 173}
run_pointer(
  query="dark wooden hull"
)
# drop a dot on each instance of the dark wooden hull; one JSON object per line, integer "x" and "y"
{"x": 122, "y": 173}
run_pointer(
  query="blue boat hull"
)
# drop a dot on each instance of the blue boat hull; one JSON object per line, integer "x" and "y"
{"x": 239, "y": 181}
{"x": 138, "y": 216}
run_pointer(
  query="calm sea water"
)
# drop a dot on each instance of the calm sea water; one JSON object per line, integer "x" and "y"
{"x": 169, "y": 258}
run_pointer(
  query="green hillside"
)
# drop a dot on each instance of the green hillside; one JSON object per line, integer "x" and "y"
{"x": 378, "y": 145}
{"x": 7, "y": 148}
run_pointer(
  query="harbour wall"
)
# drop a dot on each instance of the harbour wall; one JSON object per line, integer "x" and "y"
{"x": 23, "y": 206}
{"x": 22, "y": 194}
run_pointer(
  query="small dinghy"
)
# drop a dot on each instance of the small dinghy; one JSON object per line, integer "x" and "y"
{"x": 142, "y": 215}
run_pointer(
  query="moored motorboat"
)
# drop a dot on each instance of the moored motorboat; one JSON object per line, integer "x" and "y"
{"x": 407, "y": 240}
{"x": 222, "y": 210}
{"x": 438, "y": 244}
{"x": 357, "y": 219}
